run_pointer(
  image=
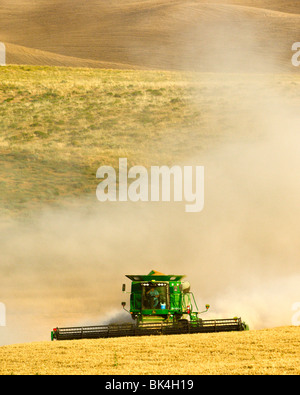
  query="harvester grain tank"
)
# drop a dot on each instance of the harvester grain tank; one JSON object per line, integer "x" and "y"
{"x": 159, "y": 304}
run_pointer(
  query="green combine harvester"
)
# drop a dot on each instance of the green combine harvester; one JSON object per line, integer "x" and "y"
{"x": 159, "y": 305}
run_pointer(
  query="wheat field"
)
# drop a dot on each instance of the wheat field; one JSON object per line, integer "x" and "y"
{"x": 258, "y": 352}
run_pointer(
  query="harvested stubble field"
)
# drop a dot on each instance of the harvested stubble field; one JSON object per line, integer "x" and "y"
{"x": 260, "y": 352}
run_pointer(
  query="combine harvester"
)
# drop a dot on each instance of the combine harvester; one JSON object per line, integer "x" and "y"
{"x": 160, "y": 305}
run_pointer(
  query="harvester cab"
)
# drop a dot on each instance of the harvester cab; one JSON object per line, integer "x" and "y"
{"x": 157, "y": 297}
{"x": 160, "y": 305}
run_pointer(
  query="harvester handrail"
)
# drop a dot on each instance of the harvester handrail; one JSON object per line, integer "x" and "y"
{"x": 194, "y": 301}
{"x": 191, "y": 298}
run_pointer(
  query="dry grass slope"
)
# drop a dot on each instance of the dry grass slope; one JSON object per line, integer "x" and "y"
{"x": 270, "y": 351}
{"x": 60, "y": 124}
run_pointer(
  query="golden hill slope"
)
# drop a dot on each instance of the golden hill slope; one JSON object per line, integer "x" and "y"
{"x": 17, "y": 54}
{"x": 269, "y": 351}
{"x": 289, "y": 6}
{"x": 221, "y": 35}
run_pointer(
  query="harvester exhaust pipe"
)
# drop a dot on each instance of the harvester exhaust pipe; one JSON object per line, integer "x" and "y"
{"x": 123, "y": 305}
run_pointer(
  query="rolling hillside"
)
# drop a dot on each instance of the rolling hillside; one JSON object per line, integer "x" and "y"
{"x": 66, "y": 122}
{"x": 199, "y": 35}
{"x": 16, "y": 54}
